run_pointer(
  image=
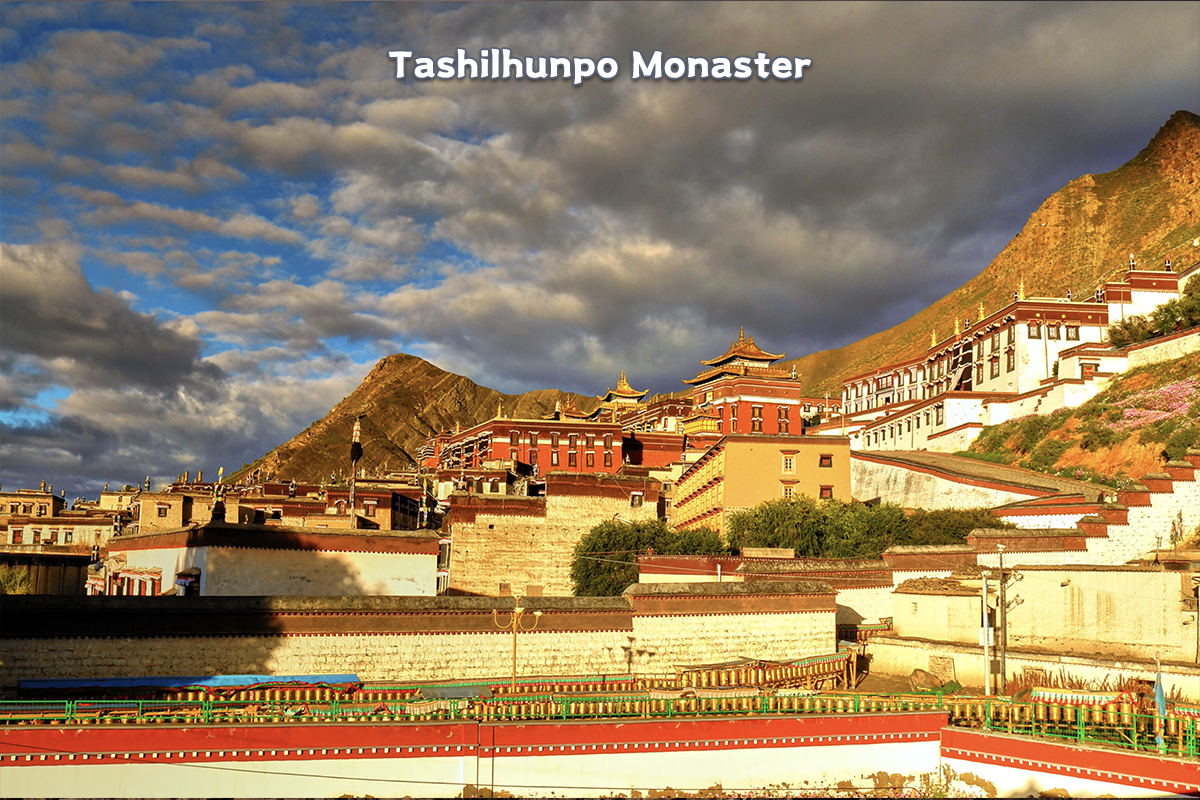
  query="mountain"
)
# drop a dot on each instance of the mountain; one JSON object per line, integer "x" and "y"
{"x": 1081, "y": 236}
{"x": 402, "y": 400}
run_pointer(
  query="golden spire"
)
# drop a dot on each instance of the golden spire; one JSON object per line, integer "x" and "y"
{"x": 981, "y": 312}
{"x": 956, "y": 329}
{"x": 499, "y": 410}
{"x": 933, "y": 338}
{"x": 1021, "y": 291}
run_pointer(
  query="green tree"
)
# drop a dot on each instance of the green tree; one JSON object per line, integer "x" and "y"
{"x": 605, "y": 560}
{"x": 797, "y": 524}
{"x": 950, "y": 526}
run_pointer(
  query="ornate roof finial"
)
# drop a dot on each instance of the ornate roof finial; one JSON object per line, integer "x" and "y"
{"x": 933, "y": 338}
{"x": 741, "y": 333}
{"x": 499, "y": 410}
{"x": 981, "y": 312}
{"x": 1021, "y": 291}
{"x": 956, "y": 328}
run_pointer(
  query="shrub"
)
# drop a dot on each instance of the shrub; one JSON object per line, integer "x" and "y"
{"x": 14, "y": 580}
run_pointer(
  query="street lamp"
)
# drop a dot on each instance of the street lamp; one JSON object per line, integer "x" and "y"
{"x": 516, "y": 625}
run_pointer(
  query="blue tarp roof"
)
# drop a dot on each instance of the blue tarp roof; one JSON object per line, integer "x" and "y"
{"x": 175, "y": 682}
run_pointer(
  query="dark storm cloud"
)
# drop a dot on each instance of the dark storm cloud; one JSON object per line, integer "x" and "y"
{"x": 86, "y": 337}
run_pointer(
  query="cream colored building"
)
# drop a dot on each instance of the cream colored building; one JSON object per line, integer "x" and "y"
{"x": 741, "y": 471}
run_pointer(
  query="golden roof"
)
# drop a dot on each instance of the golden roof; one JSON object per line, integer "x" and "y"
{"x": 624, "y": 390}
{"x": 743, "y": 347}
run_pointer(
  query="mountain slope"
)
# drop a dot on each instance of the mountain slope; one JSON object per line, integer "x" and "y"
{"x": 1081, "y": 236}
{"x": 403, "y": 400}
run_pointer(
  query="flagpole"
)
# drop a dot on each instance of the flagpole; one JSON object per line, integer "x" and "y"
{"x": 355, "y": 455}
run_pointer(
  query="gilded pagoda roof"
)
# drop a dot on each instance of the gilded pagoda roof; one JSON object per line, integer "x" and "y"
{"x": 739, "y": 370}
{"x": 743, "y": 347}
{"x": 624, "y": 390}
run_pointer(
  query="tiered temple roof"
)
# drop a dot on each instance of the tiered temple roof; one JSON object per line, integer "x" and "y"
{"x": 743, "y": 357}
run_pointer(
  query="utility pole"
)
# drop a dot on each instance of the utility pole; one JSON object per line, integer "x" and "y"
{"x": 985, "y": 635}
{"x": 1002, "y": 640}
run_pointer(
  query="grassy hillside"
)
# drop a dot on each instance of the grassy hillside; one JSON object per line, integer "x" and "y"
{"x": 1146, "y": 417}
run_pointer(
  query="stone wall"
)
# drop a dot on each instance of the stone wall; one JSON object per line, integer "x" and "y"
{"x": 530, "y": 541}
{"x": 410, "y": 639}
{"x": 912, "y": 488}
{"x": 1165, "y": 349}
{"x": 895, "y": 656}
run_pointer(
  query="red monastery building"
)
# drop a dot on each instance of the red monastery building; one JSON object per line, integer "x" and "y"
{"x": 741, "y": 392}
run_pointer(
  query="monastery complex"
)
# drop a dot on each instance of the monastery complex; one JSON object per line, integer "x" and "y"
{"x": 414, "y": 589}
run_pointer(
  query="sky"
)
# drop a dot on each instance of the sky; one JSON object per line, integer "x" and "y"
{"x": 215, "y": 218}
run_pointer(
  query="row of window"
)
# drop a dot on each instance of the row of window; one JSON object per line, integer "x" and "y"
{"x": 51, "y": 536}
{"x": 589, "y": 458}
{"x": 823, "y": 492}
{"x": 1052, "y": 331}
{"x": 27, "y": 509}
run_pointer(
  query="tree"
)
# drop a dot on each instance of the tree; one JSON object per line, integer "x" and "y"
{"x": 605, "y": 560}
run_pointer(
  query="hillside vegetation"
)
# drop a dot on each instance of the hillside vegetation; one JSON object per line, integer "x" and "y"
{"x": 1144, "y": 418}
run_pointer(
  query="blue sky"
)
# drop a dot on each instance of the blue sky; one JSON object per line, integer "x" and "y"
{"x": 217, "y": 217}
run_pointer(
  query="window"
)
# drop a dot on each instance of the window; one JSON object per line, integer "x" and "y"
{"x": 787, "y": 491}
{"x": 979, "y": 373}
{"x": 554, "y": 440}
{"x": 1051, "y": 331}
{"x": 1012, "y": 360}
{"x": 733, "y": 409}
{"x": 789, "y": 464}
{"x": 533, "y": 454}
{"x": 17, "y": 535}
{"x": 368, "y": 510}
{"x": 162, "y": 511}
{"x": 572, "y": 459}
{"x": 1035, "y": 330}
{"x": 913, "y": 610}
{"x": 783, "y": 419}
{"x": 1012, "y": 335}
{"x": 591, "y": 440}
{"x": 939, "y": 415}
{"x": 608, "y": 441}
{"x": 826, "y": 460}
{"x": 826, "y": 493}
{"x": 68, "y": 535}
{"x": 1073, "y": 332}
{"x": 589, "y": 458}
{"x": 533, "y": 439}
{"x": 635, "y": 500}
{"x": 573, "y": 440}
{"x": 908, "y": 425}
{"x": 608, "y": 458}
{"x": 919, "y": 420}
{"x": 554, "y": 458}
{"x": 514, "y": 455}
{"x": 995, "y": 344}
{"x": 756, "y": 419}
{"x": 995, "y": 372}
{"x": 13, "y": 508}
